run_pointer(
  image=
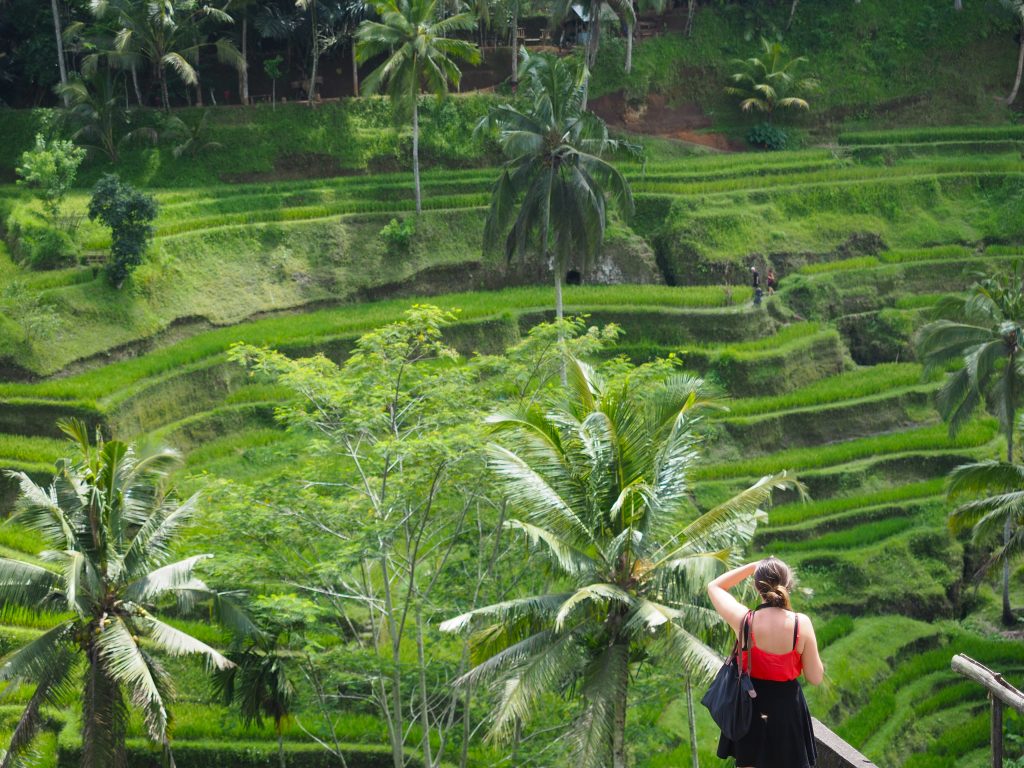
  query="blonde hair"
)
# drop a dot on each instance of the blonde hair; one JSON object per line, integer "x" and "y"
{"x": 773, "y": 580}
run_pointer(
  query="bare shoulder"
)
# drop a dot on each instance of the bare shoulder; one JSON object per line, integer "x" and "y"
{"x": 806, "y": 625}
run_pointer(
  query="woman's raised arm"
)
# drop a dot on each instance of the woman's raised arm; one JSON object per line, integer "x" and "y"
{"x": 728, "y": 607}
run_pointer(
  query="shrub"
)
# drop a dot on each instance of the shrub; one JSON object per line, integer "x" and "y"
{"x": 129, "y": 213}
{"x": 768, "y": 136}
{"x": 397, "y": 235}
{"x": 41, "y": 246}
{"x": 50, "y": 167}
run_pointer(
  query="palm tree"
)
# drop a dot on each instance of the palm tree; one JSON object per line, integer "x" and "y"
{"x": 95, "y": 107}
{"x": 61, "y": 64}
{"x": 110, "y": 523}
{"x": 623, "y": 9}
{"x": 984, "y": 332}
{"x": 1000, "y": 485}
{"x": 768, "y": 83}
{"x": 1016, "y": 7}
{"x": 602, "y": 481}
{"x": 259, "y": 683}
{"x": 554, "y": 174}
{"x": 167, "y": 34}
{"x": 420, "y": 55}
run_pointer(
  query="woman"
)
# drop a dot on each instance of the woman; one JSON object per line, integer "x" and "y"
{"x": 782, "y": 645}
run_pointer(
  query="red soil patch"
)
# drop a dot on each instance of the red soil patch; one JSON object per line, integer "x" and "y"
{"x": 657, "y": 118}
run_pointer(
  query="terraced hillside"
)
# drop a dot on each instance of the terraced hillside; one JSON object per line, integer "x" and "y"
{"x": 866, "y": 236}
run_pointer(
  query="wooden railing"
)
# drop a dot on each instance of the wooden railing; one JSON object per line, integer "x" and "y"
{"x": 1000, "y": 693}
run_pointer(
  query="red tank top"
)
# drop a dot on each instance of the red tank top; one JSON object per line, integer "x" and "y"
{"x": 780, "y": 667}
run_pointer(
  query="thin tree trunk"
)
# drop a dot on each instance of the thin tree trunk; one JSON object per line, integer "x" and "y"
{"x": 1020, "y": 69}
{"x": 515, "y": 41}
{"x": 316, "y": 53}
{"x": 163, "y": 90}
{"x": 428, "y": 760}
{"x": 467, "y": 728}
{"x": 135, "y": 85}
{"x": 243, "y": 73}
{"x": 397, "y": 734}
{"x": 619, "y": 728}
{"x": 792, "y": 13}
{"x": 690, "y": 11}
{"x": 416, "y": 152}
{"x": 355, "y": 70}
{"x": 629, "y": 48}
{"x": 199, "y": 82}
{"x": 280, "y": 747}
{"x": 1008, "y": 618}
{"x": 61, "y": 64}
{"x": 958, "y": 5}
{"x": 694, "y": 761}
{"x": 273, "y": 93}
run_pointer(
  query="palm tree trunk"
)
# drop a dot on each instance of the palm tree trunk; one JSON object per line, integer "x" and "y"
{"x": 416, "y": 152}
{"x": 690, "y": 11}
{"x": 593, "y": 41}
{"x": 135, "y": 85}
{"x": 355, "y": 70}
{"x": 515, "y": 41}
{"x": 316, "y": 53}
{"x": 243, "y": 73}
{"x": 629, "y": 48}
{"x": 792, "y": 13}
{"x": 163, "y": 88}
{"x": 692, "y": 719}
{"x": 619, "y": 727}
{"x": 1020, "y": 69}
{"x": 467, "y": 727}
{"x": 1008, "y": 618}
{"x": 280, "y": 746}
{"x": 958, "y": 5}
{"x": 61, "y": 64}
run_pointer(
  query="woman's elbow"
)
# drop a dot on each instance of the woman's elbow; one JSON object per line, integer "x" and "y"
{"x": 814, "y": 676}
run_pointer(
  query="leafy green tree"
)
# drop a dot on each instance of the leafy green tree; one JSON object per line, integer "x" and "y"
{"x": 769, "y": 82}
{"x": 129, "y": 213}
{"x": 111, "y": 523}
{"x": 601, "y": 479}
{"x": 983, "y": 331}
{"x": 420, "y": 56}
{"x": 50, "y": 167}
{"x": 555, "y": 186}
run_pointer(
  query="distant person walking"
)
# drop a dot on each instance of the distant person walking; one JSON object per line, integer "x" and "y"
{"x": 771, "y": 282}
{"x": 756, "y": 277}
{"x": 782, "y": 645}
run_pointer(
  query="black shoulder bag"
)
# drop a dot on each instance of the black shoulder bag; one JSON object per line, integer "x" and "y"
{"x": 729, "y": 697}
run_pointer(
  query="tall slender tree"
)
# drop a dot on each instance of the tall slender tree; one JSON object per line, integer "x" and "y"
{"x": 1016, "y": 8}
{"x": 984, "y": 332}
{"x": 555, "y": 186}
{"x": 601, "y": 482}
{"x": 58, "y": 31}
{"x": 110, "y": 523}
{"x": 420, "y": 55}
{"x": 622, "y": 9}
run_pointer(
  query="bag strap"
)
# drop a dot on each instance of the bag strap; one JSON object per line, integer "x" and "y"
{"x": 743, "y": 643}
{"x": 796, "y": 629}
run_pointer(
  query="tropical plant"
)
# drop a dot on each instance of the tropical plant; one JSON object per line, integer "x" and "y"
{"x": 191, "y": 137}
{"x": 50, "y": 167}
{"x": 129, "y": 213}
{"x": 769, "y": 82}
{"x": 168, "y": 34}
{"x": 110, "y": 522}
{"x": 555, "y": 186}
{"x": 601, "y": 479}
{"x": 97, "y": 112}
{"x": 997, "y": 488}
{"x": 1016, "y": 9}
{"x": 259, "y": 680}
{"x": 983, "y": 331}
{"x": 419, "y": 55}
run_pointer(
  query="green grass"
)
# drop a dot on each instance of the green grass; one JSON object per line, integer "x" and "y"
{"x": 788, "y": 514}
{"x": 934, "y": 437}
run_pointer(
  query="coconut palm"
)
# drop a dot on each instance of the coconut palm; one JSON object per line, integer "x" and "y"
{"x": 110, "y": 524}
{"x": 98, "y": 115}
{"x": 1016, "y": 9}
{"x": 623, "y": 9}
{"x": 420, "y": 56}
{"x": 997, "y": 491}
{"x": 602, "y": 481}
{"x": 984, "y": 332}
{"x": 555, "y": 186}
{"x": 168, "y": 34}
{"x": 259, "y": 683}
{"x": 769, "y": 82}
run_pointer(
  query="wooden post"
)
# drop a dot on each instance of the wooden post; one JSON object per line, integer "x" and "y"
{"x": 997, "y": 732}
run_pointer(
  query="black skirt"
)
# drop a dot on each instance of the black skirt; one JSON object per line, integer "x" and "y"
{"x": 780, "y": 735}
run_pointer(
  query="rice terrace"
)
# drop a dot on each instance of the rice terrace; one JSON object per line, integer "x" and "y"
{"x": 383, "y": 384}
